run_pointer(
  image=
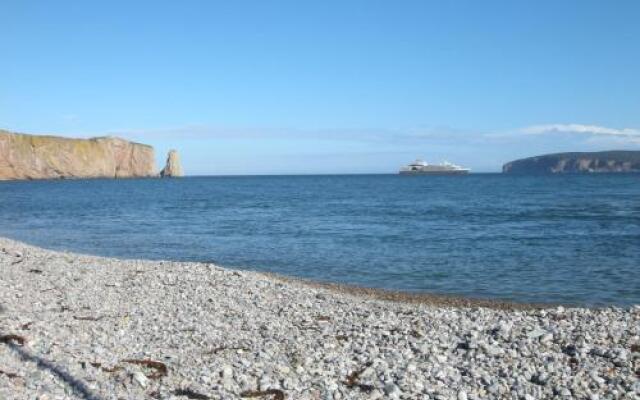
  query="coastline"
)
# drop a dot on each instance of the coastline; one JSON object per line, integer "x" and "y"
{"x": 101, "y": 328}
{"x": 398, "y": 296}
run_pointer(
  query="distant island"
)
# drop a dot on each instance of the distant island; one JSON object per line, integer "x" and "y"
{"x": 24, "y": 156}
{"x": 577, "y": 162}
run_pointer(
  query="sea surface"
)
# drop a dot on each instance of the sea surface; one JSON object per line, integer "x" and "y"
{"x": 571, "y": 239}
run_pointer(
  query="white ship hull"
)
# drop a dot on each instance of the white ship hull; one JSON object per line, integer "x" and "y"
{"x": 436, "y": 172}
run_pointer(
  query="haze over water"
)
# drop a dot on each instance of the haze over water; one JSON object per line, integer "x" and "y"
{"x": 570, "y": 239}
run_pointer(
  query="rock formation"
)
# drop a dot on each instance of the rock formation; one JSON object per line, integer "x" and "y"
{"x": 49, "y": 157}
{"x": 587, "y": 162}
{"x": 173, "y": 168}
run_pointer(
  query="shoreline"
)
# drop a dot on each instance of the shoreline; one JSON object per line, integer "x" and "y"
{"x": 374, "y": 293}
{"x": 424, "y": 298}
{"x": 81, "y": 326}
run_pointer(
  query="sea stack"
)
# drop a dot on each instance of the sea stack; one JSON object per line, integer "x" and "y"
{"x": 172, "y": 169}
{"x": 25, "y": 156}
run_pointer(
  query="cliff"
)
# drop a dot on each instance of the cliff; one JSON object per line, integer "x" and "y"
{"x": 49, "y": 157}
{"x": 587, "y": 162}
{"x": 173, "y": 168}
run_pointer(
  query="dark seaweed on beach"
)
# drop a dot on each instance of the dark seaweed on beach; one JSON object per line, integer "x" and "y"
{"x": 13, "y": 338}
{"x": 14, "y": 254}
{"x": 219, "y": 349}
{"x": 416, "y": 334}
{"x": 105, "y": 369}
{"x": 354, "y": 377}
{"x": 161, "y": 368}
{"x": 35, "y": 271}
{"x": 26, "y": 326}
{"x": 9, "y": 375}
{"x": 323, "y": 318}
{"x": 635, "y": 348}
{"x": 573, "y": 362}
{"x": 86, "y": 318}
{"x": 342, "y": 337}
{"x": 308, "y": 328}
{"x": 190, "y": 394}
{"x": 276, "y": 393}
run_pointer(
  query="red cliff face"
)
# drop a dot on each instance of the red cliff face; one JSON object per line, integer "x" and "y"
{"x": 48, "y": 157}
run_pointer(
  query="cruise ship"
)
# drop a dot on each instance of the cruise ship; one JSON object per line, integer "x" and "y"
{"x": 419, "y": 167}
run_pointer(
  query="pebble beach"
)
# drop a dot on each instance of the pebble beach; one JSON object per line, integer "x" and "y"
{"x": 83, "y": 327}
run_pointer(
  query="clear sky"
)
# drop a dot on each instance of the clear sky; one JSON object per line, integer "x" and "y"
{"x": 256, "y": 87}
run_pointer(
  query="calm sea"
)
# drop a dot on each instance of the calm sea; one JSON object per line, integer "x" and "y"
{"x": 571, "y": 239}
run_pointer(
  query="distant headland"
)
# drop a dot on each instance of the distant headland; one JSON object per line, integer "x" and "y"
{"x": 577, "y": 162}
{"x": 24, "y": 156}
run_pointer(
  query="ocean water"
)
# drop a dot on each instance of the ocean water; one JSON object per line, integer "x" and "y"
{"x": 572, "y": 239}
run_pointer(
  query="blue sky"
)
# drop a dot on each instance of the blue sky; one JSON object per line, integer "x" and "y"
{"x": 244, "y": 87}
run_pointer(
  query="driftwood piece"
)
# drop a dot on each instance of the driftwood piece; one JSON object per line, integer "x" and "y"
{"x": 19, "y": 340}
{"x": 105, "y": 369}
{"x": 160, "y": 368}
{"x": 86, "y": 318}
{"x": 219, "y": 349}
{"x": 276, "y": 393}
{"x": 353, "y": 379}
{"x": 9, "y": 375}
{"x": 190, "y": 394}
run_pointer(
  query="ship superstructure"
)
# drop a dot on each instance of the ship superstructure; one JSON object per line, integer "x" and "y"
{"x": 420, "y": 167}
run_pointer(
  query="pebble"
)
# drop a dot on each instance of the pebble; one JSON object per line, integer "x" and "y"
{"x": 220, "y": 332}
{"x": 227, "y": 372}
{"x": 540, "y": 378}
{"x": 392, "y": 390}
{"x": 140, "y": 379}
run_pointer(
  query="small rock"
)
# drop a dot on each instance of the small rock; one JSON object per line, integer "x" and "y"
{"x": 226, "y": 372}
{"x": 140, "y": 379}
{"x": 536, "y": 333}
{"x": 570, "y": 350}
{"x": 391, "y": 389}
{"x": 564, "y": 392}
{"x": 375, "y": 395}
{"x": 547, "y": 337}
{"x": 540, "y": 379}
